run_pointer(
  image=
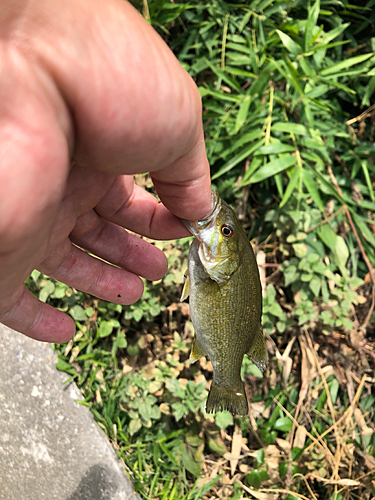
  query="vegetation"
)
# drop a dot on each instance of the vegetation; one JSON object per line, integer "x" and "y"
{"x": 287, "y": 88}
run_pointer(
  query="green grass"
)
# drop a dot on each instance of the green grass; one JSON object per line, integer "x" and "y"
{"x": 287, "y": 89}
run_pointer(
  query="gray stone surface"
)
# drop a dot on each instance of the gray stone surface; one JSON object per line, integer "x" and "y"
{"x": 50, "y": 446}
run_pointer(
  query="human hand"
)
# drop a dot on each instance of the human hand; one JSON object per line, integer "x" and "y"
{"x": 90, "y": 94}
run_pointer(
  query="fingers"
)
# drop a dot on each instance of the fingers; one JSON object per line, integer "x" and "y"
{"x": 76, "y": 268}
{"x": 38, "y": 320}
{"x": 115, "y": 245}
{"x": 185, "y": 186}
{"x": 132, "y": 207}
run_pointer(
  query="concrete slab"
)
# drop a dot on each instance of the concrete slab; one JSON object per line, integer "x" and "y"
{"x": 50, "y": 446}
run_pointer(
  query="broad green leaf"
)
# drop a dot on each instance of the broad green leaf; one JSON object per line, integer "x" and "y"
{"x": 263, "y": 5}
{"x": 105, "y": 329}
{"x": 283, "y": 424}
{"x": 315, "y": 285}
{"x": 239, "y": 72}
{"x": 275, "y": 148}
{"x": 238, "y": 158}
{"x": 238, "y": 47}
{"x": 188, "y": 460}
{"x": 306, "y": 67}
{"x": 60, "y": 292}
{"x": 138, "y": 314}
{"x": 324, "y": 181}
{"x": 368, "y": 179}
{"x": 35, "y": 275}
{"x": 300, "y": 249}
{"x": 221, "y": 74}
{"x": 340, "y": 253}
{"x": 64, "y": 366}
{"x": 241, "y": 141}
{"x": 363, "y": 228}
{"x": 290, "y": 275}
{"x": 334, "y": 389}
{"x": 275, "y": 309}
{"x": 311, "y": 24}
{"x": 78, "y": 313}
{"x": 254, "y": 479}
{"x": 245, "y": 20}
{"x": 328, "y": 236}
{"x": 289, "y": 43}
{"x": 134, "y": 426}
{"x": 291, "y": 186}
{"x": 121, "y": 340}
{"x": 290, "y": 74}
{"x": 278, "y": 178}
{"x": 223, "y": 419}
{"x": 242, "y": 113}
{"x": 271, "y": 168}
{"x": 331, "y": 35}
{"x": 311, "y": 186}
{"x": 205, "y": 487}
{"x": 261, "y": 83}
{"x": 220, "y": 96}
{"x": 47, "y": 289}
{"x": 293, "y": 128}
{"x": 369, "y": 92}
{"x": 347, "y": 63}
{"x": 171, "y": 11}
{"x": 338, "y": 85}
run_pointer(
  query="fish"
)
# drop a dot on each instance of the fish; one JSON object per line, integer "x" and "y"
{"x": 225, "y": 297}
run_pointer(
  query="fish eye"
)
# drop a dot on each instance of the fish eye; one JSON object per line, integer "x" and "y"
{"x": 227, "y": 230}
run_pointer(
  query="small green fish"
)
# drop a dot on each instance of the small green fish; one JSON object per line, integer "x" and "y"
{"x": 225, "y": 304}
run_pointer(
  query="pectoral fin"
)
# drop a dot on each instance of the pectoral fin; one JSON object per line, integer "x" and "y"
{"x": 186, "y": 290}
{"x": 197, "y": 351}
{"x": 258, "y": 351}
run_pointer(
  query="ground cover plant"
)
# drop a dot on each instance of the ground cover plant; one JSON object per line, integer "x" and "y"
{"x": 287, "y": 90}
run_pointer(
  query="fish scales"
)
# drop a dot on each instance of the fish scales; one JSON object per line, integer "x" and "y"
{"x": 225, "y": 304}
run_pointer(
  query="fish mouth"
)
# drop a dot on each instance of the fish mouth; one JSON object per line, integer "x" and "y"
{"x": 196, "y": 226}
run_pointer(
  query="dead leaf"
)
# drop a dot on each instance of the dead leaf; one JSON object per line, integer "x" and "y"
{"x": 244, "y": 468}
{"x": 75, "y": 352}
{"x": 284, "y": 445}
{"x": 272, "y": 459}
{"x": 369, "y": 461}
{"x": 339, "y": 482}
{"x": 285, "y": 360}
{"x": 261, "y": 260}
{"x": 308, "y": 370}
{"x": 300, "y": 437}
{"x": 226, "y": 479}
{"x": 259, "y": 494}
{"x": 262, "y": 496}
{"x": 365, "y": 430}
{"x": 257, "y": 409}
{"x": 236, "y": 448}
{"x": 98, "y": 396}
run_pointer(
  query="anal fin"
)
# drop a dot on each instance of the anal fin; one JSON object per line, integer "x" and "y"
{"x": 258, "y": 351}
{"x": 197, "y": 351}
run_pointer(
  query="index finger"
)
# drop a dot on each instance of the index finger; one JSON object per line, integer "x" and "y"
{"x": 131, "y": 207}
{"x": 185, "y": 186}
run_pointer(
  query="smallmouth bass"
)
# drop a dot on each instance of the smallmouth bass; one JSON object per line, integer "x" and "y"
{"x": 225, "y": 293}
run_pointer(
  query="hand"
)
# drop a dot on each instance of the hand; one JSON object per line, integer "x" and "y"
{"x": 90, "y": 94}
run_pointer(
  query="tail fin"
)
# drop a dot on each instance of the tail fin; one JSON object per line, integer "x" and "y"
{"x": 233, "y": 400}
